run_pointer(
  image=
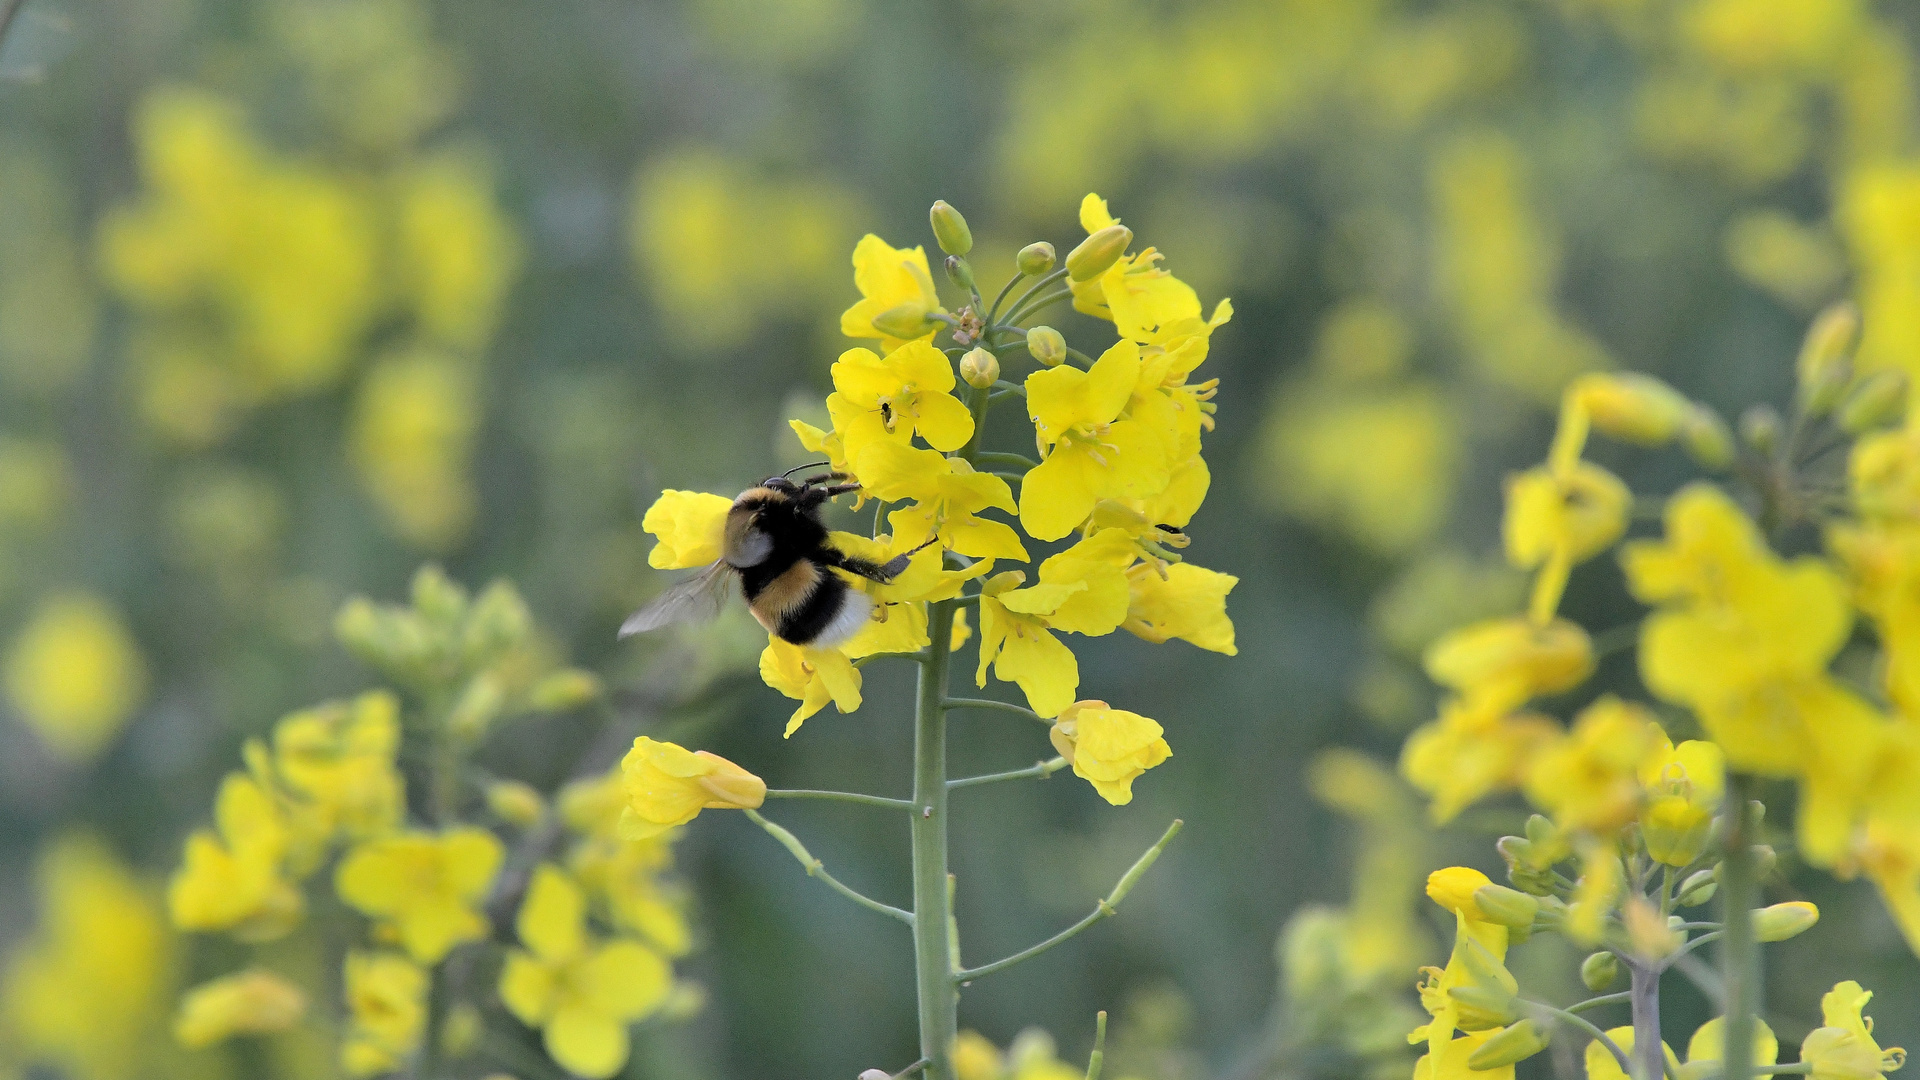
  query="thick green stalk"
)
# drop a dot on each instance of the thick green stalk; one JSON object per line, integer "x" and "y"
{"x": 1740, "y": 952}
{"x": 1649, "y": 1060}
{"x": 932, "y": 902}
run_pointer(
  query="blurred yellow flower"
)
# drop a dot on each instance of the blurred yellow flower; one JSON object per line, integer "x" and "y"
{"x": 83, "y": 992}
{"x": 1707, "y": 1049}
{"x": 232, "y": 877}
{"x": 338, "y": 758}
{"x": 814, "y": 677}
{"x": 893, "y": 283}
{"x": 1501, "y": 663}
{"x": 1109, "y": 748}
{"x": 907, "y": 392}
{"x": 581, "y": 994}
{"x": 1844, "y": 1049}
{"x": 1684, "y": 786}
{"x": 1590, "y": 778}
{"x": 253, "y": 1002}
{"x": 75, "y": 675}
{"x": 1091, "y": 452}
{"x": 456, "y": 254}
{"x": 428, "y": 887}
{"x": 411, "y": 438}
{"x": 691, "y": 527}
{"x": 386, "y": 1012}
{"x": 668, "y": 785}
{"x": 1601, "y": 1064}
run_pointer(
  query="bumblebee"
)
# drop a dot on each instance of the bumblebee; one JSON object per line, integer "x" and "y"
{"x": 776, "y": 546}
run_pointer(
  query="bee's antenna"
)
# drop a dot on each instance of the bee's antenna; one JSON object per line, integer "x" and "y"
{"x": 808, "y": 465}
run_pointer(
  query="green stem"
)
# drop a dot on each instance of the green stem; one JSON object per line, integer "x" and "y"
{"x": 978, "y": 398}
{"x": 1029, "y": 309}
{"x": 1645, "y": 995}
{"x": 993, "y": 313}
{"x": 939, "y": 999}
{"x": 996, "y": 457}
{"x": 1038, "y": 287}
{"x": 1099, "y": 1056}
{"x": 839, "y": 796}
{"x": 1594, "y": 1003}
{"x": 1104, "y": 909}
{"x": 1041, "y": 770}
{"x": 1740, "y": 952}
{"x": 993, "y": 706}
{"x": 816, "y": 869}
{"x": 1581, "y": 1022}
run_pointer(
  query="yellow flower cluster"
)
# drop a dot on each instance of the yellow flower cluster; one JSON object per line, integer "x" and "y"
{"x": 1118, "y": 475}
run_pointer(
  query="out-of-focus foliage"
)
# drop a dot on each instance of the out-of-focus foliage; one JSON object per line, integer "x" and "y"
{"x": 296, "y": 292}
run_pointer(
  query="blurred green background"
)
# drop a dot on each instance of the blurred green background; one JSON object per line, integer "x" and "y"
{"x": 296, "y": 295}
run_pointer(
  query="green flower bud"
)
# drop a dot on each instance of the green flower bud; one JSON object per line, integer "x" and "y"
{"x": 1707, "y": 439}
{"x": 908, "y": 321}
{"x": 1782, "y": 921}
{"x": 1047, "y": 345}
{"x": 1035, "y": 259}
{"x": 1878, "y": 400}
{"x": 1098, "y": 252}
{"x": 979, "y": 368}
{"x": 960, "y": 272}
{"x": 498, "y": 621}
{"x": 477, "y": 707}
{"x": 563, "y": 691}
{"x": 1599, "y": 971}
{"x": 950, "y": 229}
{"x": 1697, "y": 889}
{"x": 1508, "y": 907}
{"x": 1760, "y": 429}
{"x": 1517, "y": 1042}
{"x": 437, "y": 596}
{"x": 1478, "y": 1008}
{"x": 515, "y": 803}
{"x": 1824, "y": 369}
{"x": 1764, "y": 860}
{"x": 1540, "y": 831}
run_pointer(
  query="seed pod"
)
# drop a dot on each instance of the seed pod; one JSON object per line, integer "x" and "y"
{"x": 960, "y": 272}
{"x": 1098, "y": 252}
{"x": 979, "y": 368}
{"x": 1047, "y": 345}
{"x": 950, "y": 229}
{"x": 1878, "y": 400}
{"x": 1516, "y": 1042}
{"x": 1035, "y": 259}
{"x": 1599, "y": 970}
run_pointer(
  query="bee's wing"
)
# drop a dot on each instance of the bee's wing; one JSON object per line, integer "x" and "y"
{"x": 696, "y": 599}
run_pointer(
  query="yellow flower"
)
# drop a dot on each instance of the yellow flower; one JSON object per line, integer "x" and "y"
{"x": 947, "y": 494}
{"x": 1144, "y": 302}
{"x": 1889, "y": 854}
{"x": 1501, "y": 663}
{"x": 1684, "y": 786}
{"x": 813, "y": 677}
{"x": 907, "y": 392}
{"x": 628, "y": 877}
{"x": 1091, "y": 452}
{"x": 1558, "y": 516}
{"x": 1109, "y": 748}
{"x": 890, "y": 280}
{"x": 411, "y": 439}
{"x": 691, "y": 526}
{"x": 581, "y": 994}
{"x": 1707, "y": 1049}
{"x": 1470, "y": 752}
{"x": 82, "y": 993}
{"x": 1181, "y": 601}
{"x": 1589, "y": 779}
{"x": 1022, "y": 650}
{"x": 1598, "y": 889}
{"x": 387, "y": 1011}
{"x": 898, "y": 621}
{"x": 1844, "y": 1049}
{"x": 339, "y": 760}
{"x": 1083, "y": 590}
{"x": 829, "y": 443}
{"x": 75, "y": 675}
{"x": 1601, "y": 1064}
{"x": 1474, "y": 988}
{"x": 668, "y": 785}
{"x": 231, "y": 876}
{"x": 1448, "y": 1061}
{"x": 427, "y": 886}
{"x": 254, "y": 1002}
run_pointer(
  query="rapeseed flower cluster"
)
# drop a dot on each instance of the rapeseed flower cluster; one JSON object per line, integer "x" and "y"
{"x": 1116, "y": 477}
{"x": 326, "y": 801}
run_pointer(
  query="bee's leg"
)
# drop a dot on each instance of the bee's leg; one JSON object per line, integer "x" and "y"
{"x": 898, "y": 564}
{"x": 853, "y": 564}
{"x": 824, "y": 478}
{"x": 814, "y": 496}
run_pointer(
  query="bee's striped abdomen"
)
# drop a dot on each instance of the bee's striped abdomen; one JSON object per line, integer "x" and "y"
{"x": 808, "y": 604}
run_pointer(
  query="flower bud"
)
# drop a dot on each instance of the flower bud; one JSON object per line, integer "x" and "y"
{"x": 1707, "y": 439}
{"x": 1599, "y": 971}
{"x": 1035, "y": 259}
{"x": 668, "y": 785}
{"x": 1823, "y": 369}
{"x": 1478, "y": 1008}
{"x": 515, "y": 803}
{"x": 1632, "y": 407}
{"x": 1697, "y": 889}
{"x": 1508, "y": 907}
{"x": 1047, "y": 345}
{"x": 563, "y": 690}
{"x": 1675, "y": 829}
{"x": 1759, "y": 428}
{"x": 1782, "y": 921}
{"x": 950, "y": 229}
{"x": 907, "y": 321}
{"x": 960, "y": 272}
{"x": 1877, "y": 401}
{"x": 1517, "y": 1042}
{"x": 979, "y": 368}
{"x": 1764, "y": 860}
{"x": 1098, "y": 252}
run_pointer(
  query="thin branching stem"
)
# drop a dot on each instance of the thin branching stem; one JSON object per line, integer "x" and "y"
{"x": 815, "y": 868}
{"x": 992, "y": 705}
{"x": 1040, "y": 770}
{"x": 1581, "y": 1022}
{"x": 840, "y": 796}
{"x": 1594, "y": 1003}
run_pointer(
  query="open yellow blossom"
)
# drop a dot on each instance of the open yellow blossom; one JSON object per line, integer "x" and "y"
{"x": 231, "y": 876}
{"x": 1091, "y": 452}
{"x": 1475, "y": 979}
{"x": 1142, "y": 300}
{"x": 1501, "y": 663}
{"x": 691, "y": 526}
{"x": 1109, "y": 748}
{"x": 1021, "y": 650}
{"x": 668, "y": 785}
{"x": 1083, "y": 590}
{"x": 581, "y": 994}
{"x": 386, "y": 1012}
{"x": 1590, "y": 779}
{"x": 75, "y": 675}
{"x": 947, "y": 495}
{"x": 427, "y": 886}
{"x": 898, "y": 622}
{"x": 255, "y": 1002}
{"x": 1684, "y": 786}
{"x": 907, "y": 392}
{"x": 1601, "y": 1064}
{"x": 1181, "y": 601}
{"x": 1471, "y": 752}
{"x": 890, "y": 280}
{"x": 627, "y": 877}
{"x": 1558, "y": 517}
{"x": 1708, "y": 1048}
{"x": 1448, "y": 1061}
{"x": 338, "y": 759}
{"x": 829, "y": 443}
{"x": 1844, "y": 1049}
{"x": 814, "y": 677}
